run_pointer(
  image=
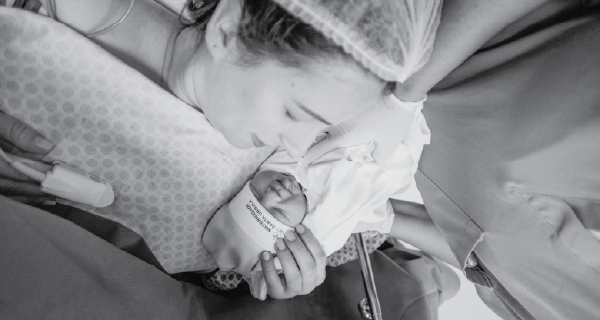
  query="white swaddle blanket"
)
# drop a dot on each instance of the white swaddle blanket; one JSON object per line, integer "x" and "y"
{"x": 111, "y": 121}
{"x": 347, "y": 191}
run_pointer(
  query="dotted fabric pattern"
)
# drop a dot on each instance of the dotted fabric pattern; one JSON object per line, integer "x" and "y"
{"x": 223, "y": 280}
{"x": 169, "y": 168}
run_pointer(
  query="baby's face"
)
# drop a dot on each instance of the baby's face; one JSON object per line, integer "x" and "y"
{"x": 281, "y": 195}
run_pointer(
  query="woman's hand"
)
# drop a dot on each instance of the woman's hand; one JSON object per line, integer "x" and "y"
{"x": 303, "y": 263}
{"x": 19, "y": 139}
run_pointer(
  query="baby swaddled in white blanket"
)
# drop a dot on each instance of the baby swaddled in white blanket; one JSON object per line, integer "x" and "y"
{"x": 169, "y": 168}
{"x": 342, "y": 192}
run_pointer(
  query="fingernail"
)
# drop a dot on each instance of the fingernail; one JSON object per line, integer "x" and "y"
{"x": 290, "y": 235}
{"x": 263, "y": 290}
{"x": 43, "y": 143}
{"x": 266, "y": 255}
{"x": 300, "y": 229}
{"x": 49, "y": 203}
{"x": 280, "y": 244}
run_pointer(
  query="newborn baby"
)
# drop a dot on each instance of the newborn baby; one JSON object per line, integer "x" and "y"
{"x": 342, "y": 192}
{"x": 268, "y": 205}
{"x": 281, "y": 195}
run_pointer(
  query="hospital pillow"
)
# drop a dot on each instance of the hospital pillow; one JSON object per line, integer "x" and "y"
{"x": 170, "y": 169}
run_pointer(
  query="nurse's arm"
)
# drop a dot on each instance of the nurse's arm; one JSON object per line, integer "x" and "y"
{"x": 412, "y": 224}
{"x": 465, "y": 27}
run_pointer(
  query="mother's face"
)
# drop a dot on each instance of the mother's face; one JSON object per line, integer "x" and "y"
{"x": 269, "y": 103}
{"x": 278, "y": 105}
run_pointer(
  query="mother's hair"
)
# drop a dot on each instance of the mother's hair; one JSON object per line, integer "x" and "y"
{"x": 267, "y": 31}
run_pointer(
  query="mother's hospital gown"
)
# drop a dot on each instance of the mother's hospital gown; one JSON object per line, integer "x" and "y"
{"x": 512, "y": 175}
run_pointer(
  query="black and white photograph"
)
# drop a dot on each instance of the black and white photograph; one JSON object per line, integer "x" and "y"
{"x": 300, "y": 159}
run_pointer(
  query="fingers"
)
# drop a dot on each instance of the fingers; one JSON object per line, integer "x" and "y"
{"x": 289, "y": 262}
{"x": 34, "y": 201}
{"x": 280, "y": 189}
{"x": 303, "y": 263}
{"x": 292, "y": 283}
{"x": 14, "y": 188}
{"x": 262, "y": 291}
{"x": 252, "y": 283}
{"x": 258, "y": 285}
{"x": 7, "y": 171}
{"x": 16, "y": 152}
{"x": 270, "y": 198}
{"x": 304, "y": 260}
{"x": 22, "y": 136}
{"x": 275, "y": 286}
{"x": 292, "y": 186}
{"x": 37, "y": 165}
{"x": 316, "y": 251}
{"x": 287, "y": 184}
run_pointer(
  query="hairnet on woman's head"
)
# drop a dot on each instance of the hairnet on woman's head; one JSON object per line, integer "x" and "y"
{"x": 391, "y": 38}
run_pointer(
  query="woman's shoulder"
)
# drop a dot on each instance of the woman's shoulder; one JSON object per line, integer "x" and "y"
{"x": 138, "y": 31}
{"x": 81, "y": 15}
{"x": 85, "y": 16}
{"x": 141, "y": 28}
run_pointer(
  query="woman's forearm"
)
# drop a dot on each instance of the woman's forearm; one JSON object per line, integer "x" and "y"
{"x": 465, "y": 26}
{"x": 412, "y": 224}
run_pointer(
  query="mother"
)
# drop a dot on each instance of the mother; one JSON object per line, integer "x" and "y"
{"x": 531, "y": 247}
{"x": 260, "y": 75}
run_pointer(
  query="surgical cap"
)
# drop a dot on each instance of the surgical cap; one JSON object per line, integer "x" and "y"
{"x": 391, "y": 38}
